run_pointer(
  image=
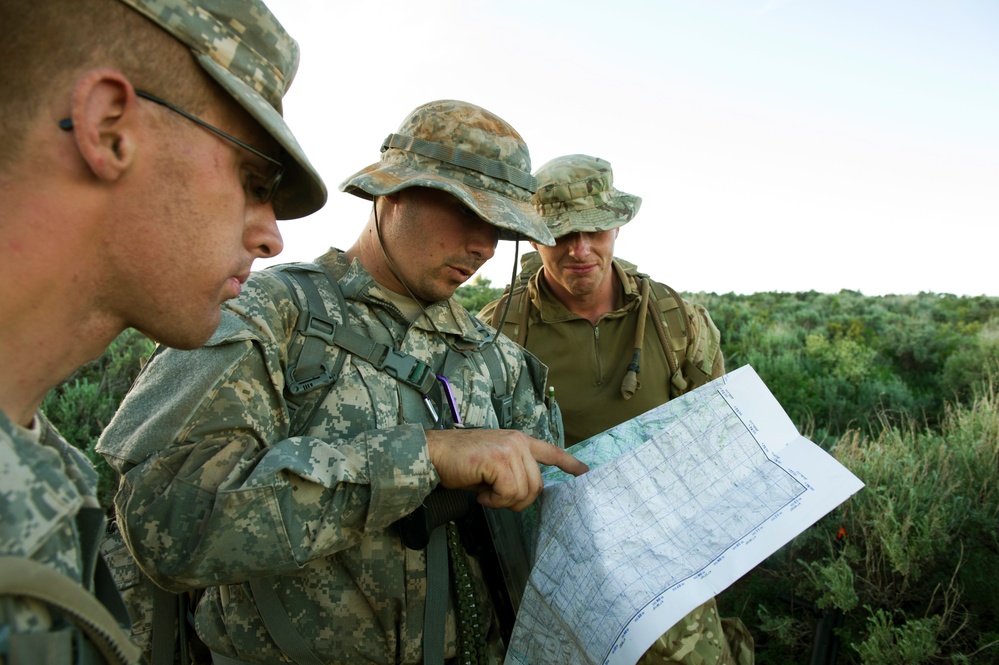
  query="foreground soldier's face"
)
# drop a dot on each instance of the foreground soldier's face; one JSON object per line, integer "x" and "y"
{"x": 203, "y": 223}
{"x": 436, "y": 242}
{"x": 580, "y": 262}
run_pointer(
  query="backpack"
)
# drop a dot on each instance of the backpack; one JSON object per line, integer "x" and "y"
{"x": 676, "y": 323}
{"x": 163, "y": 621}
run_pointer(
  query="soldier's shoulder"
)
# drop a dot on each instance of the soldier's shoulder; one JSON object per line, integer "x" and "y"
{"x": 264, "y": 310}
{"x": 43, "y": 486}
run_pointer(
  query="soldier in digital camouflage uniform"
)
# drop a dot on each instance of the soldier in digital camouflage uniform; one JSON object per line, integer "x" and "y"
{"x": 577, "y": 295}
{"x": 216, "y": 493}
{"x": 118, "y": 212}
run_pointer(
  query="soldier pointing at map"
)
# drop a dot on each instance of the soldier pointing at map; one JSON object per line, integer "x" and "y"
{"x": 282, "y": 490}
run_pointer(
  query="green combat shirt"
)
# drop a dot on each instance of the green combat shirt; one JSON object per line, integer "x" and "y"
{"x": 587, "y": 362}
{"x": 215, "y": 493}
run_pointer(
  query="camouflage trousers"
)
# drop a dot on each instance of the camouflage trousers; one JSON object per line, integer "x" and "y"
{"x": 703, "y": 638}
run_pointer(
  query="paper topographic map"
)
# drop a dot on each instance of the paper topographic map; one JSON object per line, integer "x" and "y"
{"x": 678, "y": 504}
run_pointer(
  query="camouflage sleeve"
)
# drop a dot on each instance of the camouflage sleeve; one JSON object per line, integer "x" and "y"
{"x": 214, "y": 492}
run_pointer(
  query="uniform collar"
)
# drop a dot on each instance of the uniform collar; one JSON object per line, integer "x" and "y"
{"x": 448, "y": 316}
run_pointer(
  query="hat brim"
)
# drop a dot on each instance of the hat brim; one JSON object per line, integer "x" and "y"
{"x": 302, "y": 191}
{"x": 605, "y": 217}
{"x": 515, "y": 220}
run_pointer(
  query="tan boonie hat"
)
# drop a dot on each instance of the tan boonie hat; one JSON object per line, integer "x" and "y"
{"x": 466, "y": 151}
{"x": 243, "y": 47}
{"x": 576, "y": 193}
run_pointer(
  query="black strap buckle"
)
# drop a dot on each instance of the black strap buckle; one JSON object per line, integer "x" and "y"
{"x": 404, "y": 367}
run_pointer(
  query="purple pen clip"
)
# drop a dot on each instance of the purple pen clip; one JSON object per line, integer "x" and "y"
{"x": 450, "y": 399}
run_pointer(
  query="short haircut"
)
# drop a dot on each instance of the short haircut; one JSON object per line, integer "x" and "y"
{"x": 47, "y": 44}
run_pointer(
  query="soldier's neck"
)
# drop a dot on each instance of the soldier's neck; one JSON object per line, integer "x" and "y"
{"x": 591, "y": 306}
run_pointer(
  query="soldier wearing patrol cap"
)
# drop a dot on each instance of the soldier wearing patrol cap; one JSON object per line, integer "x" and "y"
{"x": 143, "y": 161}
{"x": 635, "y": 344}
{"x": 296, "y": 530}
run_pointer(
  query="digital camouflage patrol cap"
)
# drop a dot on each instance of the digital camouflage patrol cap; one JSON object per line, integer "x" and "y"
{"x": 576, "y": 193}
{"x": 243, "y": 47}
{"x": 466, "y": 151}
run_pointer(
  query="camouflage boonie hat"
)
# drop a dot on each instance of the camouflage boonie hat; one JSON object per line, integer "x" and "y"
{"x": 243, "y": 47}
{"x": 469, "y": 153}
{"x": 576, "y": 193}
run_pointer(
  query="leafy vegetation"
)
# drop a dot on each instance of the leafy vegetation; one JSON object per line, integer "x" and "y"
{"x": 82, "y": 405}
{"x": 901, "y": 389}
{"x": 905, "y": 569}
{"x": 847, "y": 361}
{"x": 477, "y": 294}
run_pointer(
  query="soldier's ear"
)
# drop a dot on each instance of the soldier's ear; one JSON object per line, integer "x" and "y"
{"x": 534, "y": 245}
{"x": 104, "y": 114}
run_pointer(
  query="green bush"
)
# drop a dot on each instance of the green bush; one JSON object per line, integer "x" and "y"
{"x": 845, "y": 361}
{"x": 82, "y": 406}
{"x": 477, "y": 294}
{"x": 909, "y": 562}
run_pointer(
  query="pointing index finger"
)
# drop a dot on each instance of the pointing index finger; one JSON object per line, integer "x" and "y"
{"x": 546, "y": 453}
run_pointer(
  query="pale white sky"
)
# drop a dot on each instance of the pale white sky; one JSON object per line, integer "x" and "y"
{"x": 778, "y": 145}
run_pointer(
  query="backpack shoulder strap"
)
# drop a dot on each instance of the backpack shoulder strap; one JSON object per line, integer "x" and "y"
{"x": 669, "y": 306}
{"x": 689, "y": 333}
{"x": 312, "y": 367}
{"x": 24, "y": 577}
{"x": 502, "y": 396}
{"x": 674, "y": 328}
{"x": 278, "y": 623}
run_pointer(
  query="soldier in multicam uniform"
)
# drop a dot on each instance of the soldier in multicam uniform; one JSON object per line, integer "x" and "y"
{"x": 577, "y": 295}
{"x": 215, "y": 493}
{"x": 118, "y": 212}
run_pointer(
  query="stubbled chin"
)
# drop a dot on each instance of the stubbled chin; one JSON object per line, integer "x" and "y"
{"x": 580, "y": 286}
{"x": 190, "y": 335}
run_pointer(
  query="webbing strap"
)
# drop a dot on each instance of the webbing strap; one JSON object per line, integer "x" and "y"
{"x": 279, "y": 624}
{"x": 107, "y": 592}
{"x": 400, "y": 366}
{"x": 315, "y": 325}
{"x": 696, "y": 375}
{"x": 497, "y": 370}
{"x": 501, "y": 398}
{"x": 672, "y": 304}
{"x": 310, "y": 370}
{"x": 165, "y": 622}
{"x": 219, "y": 659}
{"x": 435, "y": 611}
{"x": 458, "y": 157}
{"x": 24, "y": 577}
